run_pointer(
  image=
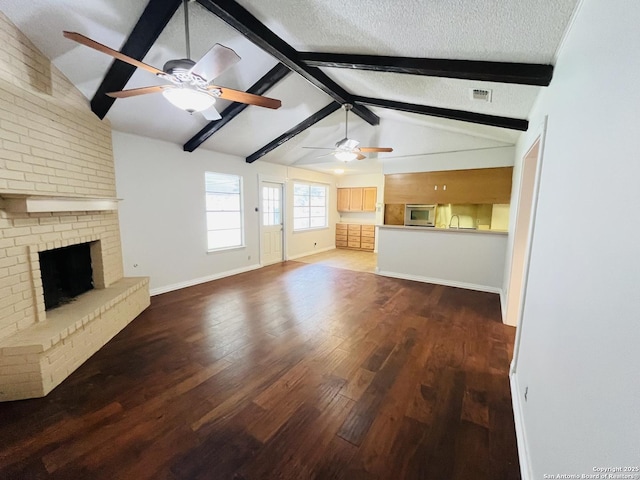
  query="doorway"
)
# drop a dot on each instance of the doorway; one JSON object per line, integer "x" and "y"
{"x": 525, "y": 215}
{"x": 271, "y": 223}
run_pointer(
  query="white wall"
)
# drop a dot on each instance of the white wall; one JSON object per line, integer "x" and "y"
{"x": 465, "y": 259}
{"x": 162, "y": 220}
{"x": 300, "y": 244}
{"x": 580, "y": 332}
{"x": 481, "y": 157}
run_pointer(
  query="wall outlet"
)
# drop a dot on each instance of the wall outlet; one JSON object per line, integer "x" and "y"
{"x": 315, "y": 244}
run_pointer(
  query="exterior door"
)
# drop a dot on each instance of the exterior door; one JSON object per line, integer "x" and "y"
{"x": 271, "y": 216}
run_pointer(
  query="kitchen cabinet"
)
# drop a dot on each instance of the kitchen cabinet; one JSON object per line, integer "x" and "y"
{"x": 394, "y": 214}
{"x": 355, "y": 236}
{"x": 369, "y": 198}
{"x": 344, "y": 199}
{"x": 341, "y": 235}
{"x": 357, "y": 199}
{"x": 480, "y": 185}
{"x": 367, "y": 237}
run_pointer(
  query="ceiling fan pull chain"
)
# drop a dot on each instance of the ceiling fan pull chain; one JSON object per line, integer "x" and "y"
{"x": 186, "y": 27}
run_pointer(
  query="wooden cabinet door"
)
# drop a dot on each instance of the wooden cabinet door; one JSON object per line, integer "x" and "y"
{"x": 394, "y": 214}
{"x": 370, "y": 195}
{"x": 411, "y": 188}
{"x": 481, "y": 185}
{"x": 355, "y": 203}
{"x": 344, "y": 197}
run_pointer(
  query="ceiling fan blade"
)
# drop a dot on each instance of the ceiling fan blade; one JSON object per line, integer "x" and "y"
{"x": 86, "y": 41}
{"x": 360, "y": 157}
{"x": 248, "y": 98}
{"x": 376, "y": 149}
{"x": 326, "y": 154}
{"x": 211, "y": 114}
{"x": 138, "y": 91}
{"x": 215, "y": 61}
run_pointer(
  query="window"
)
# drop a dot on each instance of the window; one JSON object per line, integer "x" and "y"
{"x": 224, "y": 210}
{"x": 309, "y": 206}
{"x": 271, "y": 214}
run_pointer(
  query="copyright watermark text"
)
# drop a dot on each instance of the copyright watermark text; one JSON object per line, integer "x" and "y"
{"x": 599, "y": 473}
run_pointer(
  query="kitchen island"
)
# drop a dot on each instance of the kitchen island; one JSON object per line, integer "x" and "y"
{"x": 472, "y": 259}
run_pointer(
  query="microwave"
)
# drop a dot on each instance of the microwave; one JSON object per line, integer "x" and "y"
{"x": 420, "y": 215}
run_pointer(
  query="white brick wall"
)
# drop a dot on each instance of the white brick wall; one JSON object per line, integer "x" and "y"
{"x": 50, "y": 144}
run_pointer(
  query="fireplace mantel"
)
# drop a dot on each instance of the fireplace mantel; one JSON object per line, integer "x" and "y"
{"x": 30, "y": 203}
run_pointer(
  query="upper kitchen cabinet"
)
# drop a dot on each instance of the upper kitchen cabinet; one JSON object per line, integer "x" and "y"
{"x": 344, "y": 199}
{"x": 369, "y": 198}
{"x": 358, "y": 199}
{"x": 481, "y": 185}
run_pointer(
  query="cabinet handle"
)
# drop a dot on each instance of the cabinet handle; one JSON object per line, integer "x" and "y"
{"x": 435, "y": 187}
{"x": 444, "y": 187}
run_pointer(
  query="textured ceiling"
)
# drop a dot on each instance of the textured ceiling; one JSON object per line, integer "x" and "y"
{"x": 507, "y": 99}
{"x": 523, "y": 31}
{"x": 497, "y": 30}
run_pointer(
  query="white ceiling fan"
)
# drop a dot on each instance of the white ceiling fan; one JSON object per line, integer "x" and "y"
{"x": 190, "y": 87}
{"x": 347, "y": 149}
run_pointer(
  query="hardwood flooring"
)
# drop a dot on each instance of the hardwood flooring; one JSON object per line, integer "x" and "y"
{"x": 293, "y": 371}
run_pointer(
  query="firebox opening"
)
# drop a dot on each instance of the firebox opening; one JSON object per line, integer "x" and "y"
{"x": 66, "y": 273}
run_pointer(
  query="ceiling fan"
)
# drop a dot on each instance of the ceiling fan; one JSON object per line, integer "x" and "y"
{"x": 347, "y": 149}
{"x": 190, "y": 87}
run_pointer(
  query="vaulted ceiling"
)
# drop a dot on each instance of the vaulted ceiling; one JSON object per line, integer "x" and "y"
{"x": 383, "y": 56}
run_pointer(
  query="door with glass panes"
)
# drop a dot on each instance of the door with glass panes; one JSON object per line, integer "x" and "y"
{"x": 271, "y": 233}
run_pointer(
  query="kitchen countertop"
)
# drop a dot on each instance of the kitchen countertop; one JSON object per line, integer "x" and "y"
{"x": 450, "y": 230}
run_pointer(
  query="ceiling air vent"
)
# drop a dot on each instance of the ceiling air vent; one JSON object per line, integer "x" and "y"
{"x": 480, "y": 94}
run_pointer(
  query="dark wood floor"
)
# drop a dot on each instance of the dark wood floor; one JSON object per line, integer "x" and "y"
{"x": 294, "y": 371}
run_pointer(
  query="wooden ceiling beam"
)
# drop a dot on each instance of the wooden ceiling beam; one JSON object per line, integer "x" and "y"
{"x": 244, "y": 22}
{"x": 460, "y": 115}
{"x": 150, "y": 24}
{"x": 499, "y": 72}
{"x": 272, "y": 77}
{"x": 288, "y": 135}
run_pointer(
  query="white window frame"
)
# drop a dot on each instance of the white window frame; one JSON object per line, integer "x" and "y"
{"x": 326, "y": 205}
{"x": 240, "y": 211}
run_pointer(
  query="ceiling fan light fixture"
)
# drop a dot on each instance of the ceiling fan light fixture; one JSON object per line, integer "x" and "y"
{"x": 189, "y": 99}
{"x": 346, "y": 156}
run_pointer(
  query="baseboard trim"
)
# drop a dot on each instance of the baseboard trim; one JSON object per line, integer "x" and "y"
{"x": 523, "y": 451}
{"x": 503, "y": 306}
{"x": 197, "y": 281}
{"x": 312, "y": 252}
{"x": 440, "y": 281}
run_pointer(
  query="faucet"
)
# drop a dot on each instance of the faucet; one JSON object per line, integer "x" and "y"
{"x": 458, "y": 226}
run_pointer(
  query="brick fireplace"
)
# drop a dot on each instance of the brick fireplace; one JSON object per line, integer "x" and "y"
{"x": 57, "y": 189}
